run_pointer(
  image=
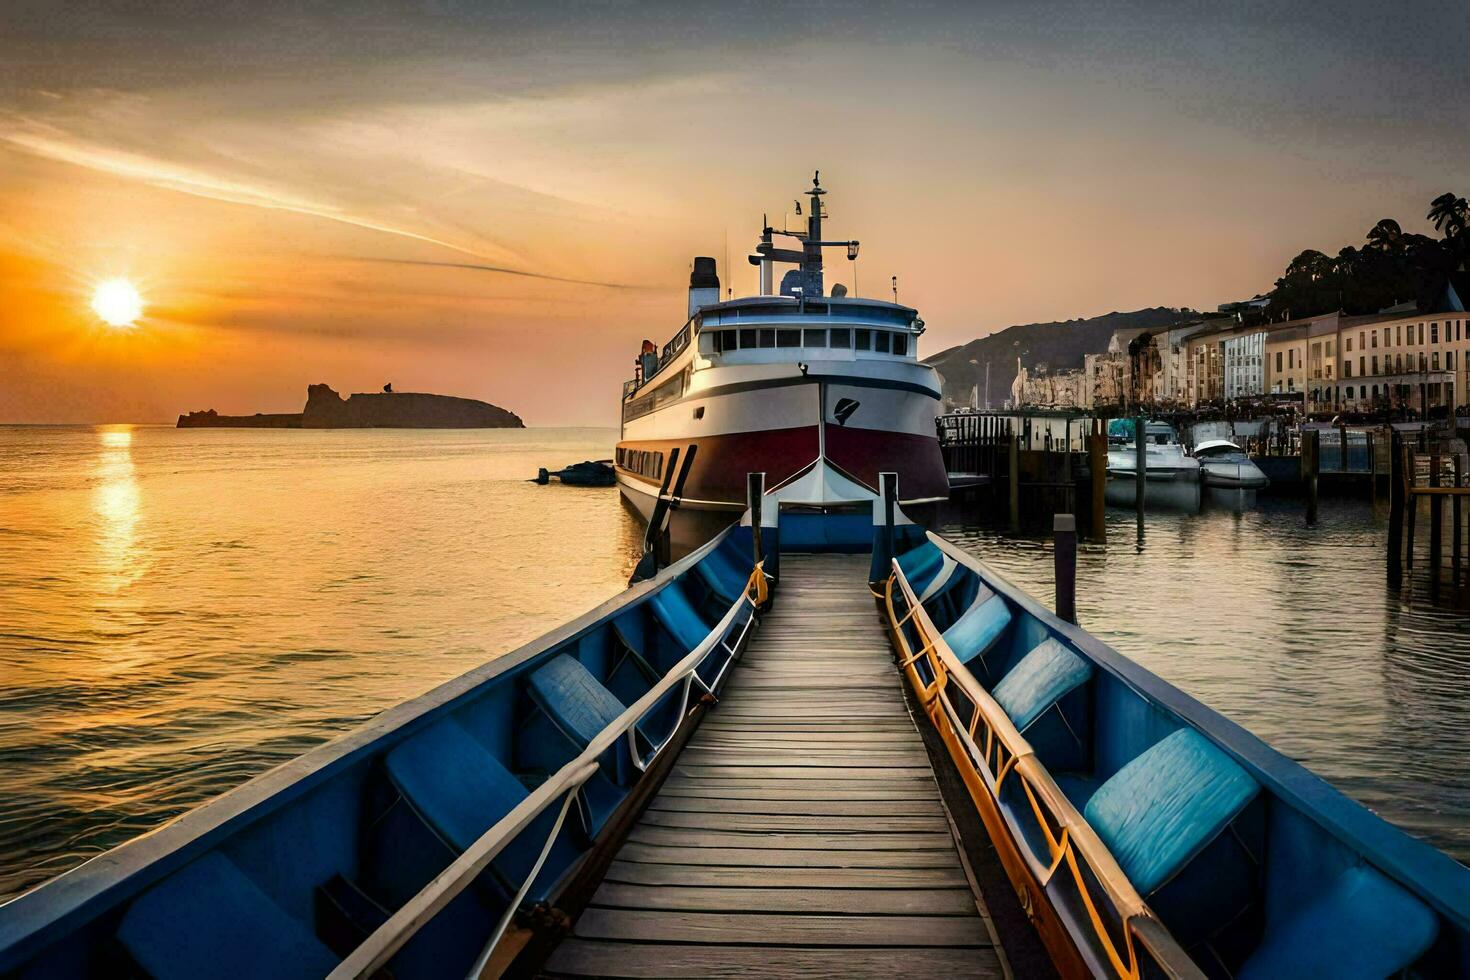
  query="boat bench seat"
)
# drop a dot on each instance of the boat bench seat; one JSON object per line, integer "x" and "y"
{"x": 1039, "y": 680}
{"x": 722, "y": 575}
{"x": 209, "y": 915}
{"x": 460, "y": 789}
{"x": 979, "y": 626}
{"x": 1165, "y": 806}
{"x": 928, "y": 570}
{"x": 677, "y": 614}
{"x": 1361, "y": 925}
{"x": 575, "y": 701}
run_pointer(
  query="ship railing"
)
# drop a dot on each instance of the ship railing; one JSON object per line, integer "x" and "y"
{"x": 560, "y": 790}
{"x": 982, "y": 738}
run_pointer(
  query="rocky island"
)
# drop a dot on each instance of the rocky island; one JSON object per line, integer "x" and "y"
{"x": 325, "y": 409}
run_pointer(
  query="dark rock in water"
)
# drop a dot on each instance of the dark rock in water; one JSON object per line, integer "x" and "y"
{"x": 325, "y": 409}
{"x": 211, "y": 419}
{"x": 588, "y": 473}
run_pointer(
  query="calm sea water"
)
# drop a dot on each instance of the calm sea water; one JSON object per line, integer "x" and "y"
{"x": 182, "y": 609}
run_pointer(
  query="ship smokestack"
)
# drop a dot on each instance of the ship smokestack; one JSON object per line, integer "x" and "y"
{"x": 704, "y": 284}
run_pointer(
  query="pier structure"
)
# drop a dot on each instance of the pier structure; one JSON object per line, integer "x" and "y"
{"x": 801, "y": 830}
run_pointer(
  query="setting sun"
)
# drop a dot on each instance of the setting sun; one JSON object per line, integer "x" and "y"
{"x": 117, "y": 302}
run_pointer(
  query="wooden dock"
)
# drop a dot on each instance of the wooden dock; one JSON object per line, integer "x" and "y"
{"x": 801, "y": 830}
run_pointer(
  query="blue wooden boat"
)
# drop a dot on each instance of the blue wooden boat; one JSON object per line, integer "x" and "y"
{"x": 403, "y": 849}
{"x": 1146, "y": 834}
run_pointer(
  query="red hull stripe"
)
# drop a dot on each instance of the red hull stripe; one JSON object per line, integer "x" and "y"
{"x": 721, "y": 462}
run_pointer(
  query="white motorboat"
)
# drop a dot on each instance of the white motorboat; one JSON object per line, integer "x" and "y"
{"x": 1225, "y": 466}
{"x": 1171, "y": 476}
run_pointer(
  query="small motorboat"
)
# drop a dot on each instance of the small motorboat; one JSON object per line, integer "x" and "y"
{"x": 1225, "y": 466}
{"x": 1171, "y": 476}
{"x": 588, "y": 473}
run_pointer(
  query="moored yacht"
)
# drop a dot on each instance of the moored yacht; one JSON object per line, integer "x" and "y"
{"x": 1171, "y": 476}
{"x": 820, "y": 390}
{"x": 1225, "y": 466}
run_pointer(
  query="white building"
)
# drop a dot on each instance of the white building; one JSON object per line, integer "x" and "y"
{"x": 1245, "y": 364}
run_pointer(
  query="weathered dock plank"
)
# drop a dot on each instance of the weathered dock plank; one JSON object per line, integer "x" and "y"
{"x": 800, "y": 832}
{"x": 595, "y": 958}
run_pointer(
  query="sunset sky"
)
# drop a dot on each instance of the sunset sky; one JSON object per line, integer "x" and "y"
{"x": 302, "y": 193}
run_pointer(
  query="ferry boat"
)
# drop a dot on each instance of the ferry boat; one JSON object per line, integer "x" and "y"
{"x": 819, "y": 389}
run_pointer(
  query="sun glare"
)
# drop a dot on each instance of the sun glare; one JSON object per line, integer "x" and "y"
{"x": 117, "y": 302}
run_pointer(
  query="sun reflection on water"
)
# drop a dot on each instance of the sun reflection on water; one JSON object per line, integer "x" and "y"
{"x": 116, "y": 503}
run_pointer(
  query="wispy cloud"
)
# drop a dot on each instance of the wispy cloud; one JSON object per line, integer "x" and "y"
{"x": 500, "y": 269}
{"x": 164, "y": 174}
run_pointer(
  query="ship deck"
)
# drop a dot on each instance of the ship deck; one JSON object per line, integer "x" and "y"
{"x": 801, "y": 830}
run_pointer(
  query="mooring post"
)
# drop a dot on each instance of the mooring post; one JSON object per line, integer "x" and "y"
{"x": 1372, "y": 471}
{"x": 1456, "y": 528}
{"x": 1064, "y": 535}
{"x": 1310, "y": 461}
{"x": 755, "y": 491}
{"x": 1014, "y": 475}
{"x": 1342, "y": 444}
{"x": 1140, "y": 463}
{"x": 890, "y": 510}
{"x": 1411, "y": 506}
{"x": 1395, "y": 509}
{"x": 1436, "y": 526}
{"x": 1097, "y": 464}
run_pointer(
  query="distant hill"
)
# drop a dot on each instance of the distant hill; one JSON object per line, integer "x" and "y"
{"x": 1059, "y": 345}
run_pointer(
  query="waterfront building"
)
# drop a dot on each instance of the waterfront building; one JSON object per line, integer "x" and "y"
{"x": 1404, "y": 360}
{"x": 1207, "y": 363}
{"x": 1244, "y": 352}
{"x": 1286, "y": 358}
{"x": 1322, "y": 342}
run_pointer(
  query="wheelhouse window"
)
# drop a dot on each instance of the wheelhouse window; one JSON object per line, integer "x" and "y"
{"x": 864, "y": 339}
{"x": 814, "y": 338}
{"x": 747, "y": 339}
{"x": 768, "y": 337}
{"x": 788, "y": 338}
{"x": 842, "y": 338}
{"x": 880, "y": 341}
{"x": 901, "y": 344}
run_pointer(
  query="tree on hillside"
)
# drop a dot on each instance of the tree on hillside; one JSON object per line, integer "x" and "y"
{"x": 1451, "y": 215}
{"x": 1392, "y": 266}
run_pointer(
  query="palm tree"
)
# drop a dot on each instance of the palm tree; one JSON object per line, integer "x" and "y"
{"x": 1450, "y": 215}
{"x": 1385, "y": 236}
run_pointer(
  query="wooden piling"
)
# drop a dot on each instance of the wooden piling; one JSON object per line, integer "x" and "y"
{"x": 1311, "y": 463}
{"x": 1436, "y": 526}
{"x": 1342, "y": 446}
{"x": 1411, "y": 508}
{"x": 1014, "y": 475}
{"x": 1064, "y": 550}
{"x": 1097, "y": 463}
{"x": 1140, "y": 478}
{"x": 1395, "y": 509}
{"x": 1456, "y": 527}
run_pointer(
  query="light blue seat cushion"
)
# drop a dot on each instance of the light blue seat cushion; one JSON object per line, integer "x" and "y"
{"x": 724, "y": 576}
{"x": 920, "y": 565}
{"x": 976, "y": 631}
{"x": 1363, "y": 925}
{"x": 1162, "y": 808}
{"x": 453, "y": 782}
{"x": 672, "y": 607}
{"x": 574, "y": 699}
{"x": 1040, "y": 680}
{"x": 209, "y": 916}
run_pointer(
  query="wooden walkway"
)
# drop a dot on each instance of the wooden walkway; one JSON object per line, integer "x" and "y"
{"x": 801, "y": 830}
